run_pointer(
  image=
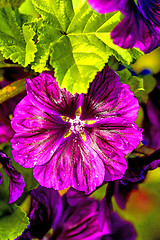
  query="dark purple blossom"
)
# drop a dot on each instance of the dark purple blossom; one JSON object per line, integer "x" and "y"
{"x": 17, "y": 184}
{"x": 136, "y": 173}
{"x": 140, "y": 26}
{"x": 53, "y": 218}
{"x": 75, "y": 140}
{"x": 151, "y": 123}
{"x": 71, "y": 217}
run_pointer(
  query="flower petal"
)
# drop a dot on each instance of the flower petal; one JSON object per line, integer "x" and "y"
{"x": 82, "y": 222}
{"x": 150, "y": 10}
{"x": 104, "y": 6}
{"x": 45, "y": 93}
{"x": 73, "y": 164}
{"x": 38, "y": 134}
{"x": 141, "y": 26}
{"x": 46, "y": 213}
{"x": 135, "y": 31}
{"x": 6, "y": 133}
{"x": 112, "y": 138}
{"x": 107, "y": 96}
{"x": 17, "y": 183}
{"x": 121, "y": 229}
{"x": 1, "y": 177}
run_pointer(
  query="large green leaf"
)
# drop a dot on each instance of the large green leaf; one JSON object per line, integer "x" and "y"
{"x": 12, "y": 222}
{"x": 16, "y": 38}
{"x": 76, "y": 42}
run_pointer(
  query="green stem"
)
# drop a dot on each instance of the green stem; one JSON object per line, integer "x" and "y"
{"x": 12, "y": 90}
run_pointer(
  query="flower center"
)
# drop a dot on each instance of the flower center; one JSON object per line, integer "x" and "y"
{"x": 76, "y": 125}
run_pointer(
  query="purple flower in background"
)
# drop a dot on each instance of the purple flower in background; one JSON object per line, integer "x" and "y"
{"x": 136, "y": 173}
{"x": 74, "y": 216}
{"x": 75, "y": 140}
{"x": 140, "y": 26}
{"x": 51, "y": 217}
{"x": 17, "y": 184}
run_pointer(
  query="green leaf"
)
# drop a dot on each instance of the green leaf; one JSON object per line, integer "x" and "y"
{"x": 16, "y": 39}
{"x": 140, "y": 85}
{"x": 135, "y": 83}
{"x": 13, "y": 222}
{"x": 149, "y": 82}
{"x": 75, "y": 41}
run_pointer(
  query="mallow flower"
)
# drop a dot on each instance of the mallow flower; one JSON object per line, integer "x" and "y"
{"x": 77, "y": 140}
{"x": 73, "y": 216}
{"x": 141, "y": 24}
{"x": 17, "y": 183}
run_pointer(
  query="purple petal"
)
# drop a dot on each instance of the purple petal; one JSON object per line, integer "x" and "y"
{"x": 135, "y": 174}
{"x": 104, "y": 216}
{"x": 150, "y": 10}
{"x": 122, "y": 192}
{"x": 75, "y": 197}
{"x": 104, "y": 6}
{"x": 17, "y": 184}
{"x": 45, "y": 93}
{"x": 1, "y": 177}
{"x": 6, "y": 133}
{"x": 141, "y": 26}
{"x": 135, "y": 31}
{"x": 74, "y": 164}
{"x": 108, "y": 97}
{"x": 112, "y": 138}
{"x": 82, "y": 223}
{"x": 121, "y": 229}
{"x": 138, "y": 166}
{"x": 46, "y": 213}
{"x": 38, "y": 134}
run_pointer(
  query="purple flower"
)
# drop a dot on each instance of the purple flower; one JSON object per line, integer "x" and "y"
{"x": 52, "y": 217}
{"x": 75, "y": 140}
{"x": 140, "y": 26}
{"x": 73, "y": 216}
{"x": 136, "y": 173}
{"x": 17, "y": 184}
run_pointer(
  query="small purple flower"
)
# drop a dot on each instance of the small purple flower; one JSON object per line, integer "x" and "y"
{"x": 140, "y": 26}
{"x": 17, "y": 184}
{"x": 75, "y": 140}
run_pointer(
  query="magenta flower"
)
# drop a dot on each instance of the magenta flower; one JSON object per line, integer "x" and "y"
{"x": 140, "y": 26}
{"x": 75, "y": 140}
